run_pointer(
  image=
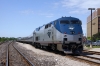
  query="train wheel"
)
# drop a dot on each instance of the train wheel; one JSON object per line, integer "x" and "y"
{"x": 48, "y": 48}
{"x": 41, "y": 47}
{"x": 80, "y": 50}
{"x": 38, "y": 45}
{"x": 35, "y": 45}
{"x": 75, "y": 52}
{"x": 54, "y": 47}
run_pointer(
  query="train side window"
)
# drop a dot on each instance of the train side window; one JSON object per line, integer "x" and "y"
{"x": 49, "y": 25}
{"x": 36, "y": 38}
{"x": 80, "y": 22}
{"x": 54, "y": 22}
{"x": 38, "y": 28}
{"x": 46, "y": 26}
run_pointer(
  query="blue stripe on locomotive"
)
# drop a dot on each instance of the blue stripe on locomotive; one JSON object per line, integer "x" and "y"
{"x": 65, "y": 28}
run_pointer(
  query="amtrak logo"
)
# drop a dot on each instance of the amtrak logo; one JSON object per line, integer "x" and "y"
{"x": 49, "y": 33}
{"x": 71, "y": 27}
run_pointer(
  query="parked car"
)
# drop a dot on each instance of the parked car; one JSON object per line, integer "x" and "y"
{"x": 98, "y": 42}
{"x": 94, "y": 43}
{"x": 88, "y": 42}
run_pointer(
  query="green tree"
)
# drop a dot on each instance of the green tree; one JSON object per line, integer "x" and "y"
{"x": 2, "y": 39}
{"x": 89, "y": 38}
{"x": 96, "y": 36}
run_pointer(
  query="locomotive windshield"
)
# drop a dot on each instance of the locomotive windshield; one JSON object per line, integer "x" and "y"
{"x": 75, "y": 22}
{"x": 64, "y": 22}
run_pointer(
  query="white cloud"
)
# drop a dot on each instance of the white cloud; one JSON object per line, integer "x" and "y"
{"x": 76, "y": 11}
{"x": 81, "y": 4}
{"x": 77, "y": 6}
{"x": 27, "y": 12}
{"x": 70, "y": 3}
{"x": 55, "y": 5}
{"x": 47, "y": 14}
{"x": 90, "y": 4}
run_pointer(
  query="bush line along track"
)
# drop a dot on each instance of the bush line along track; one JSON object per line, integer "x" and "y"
{"x": 7, "y": 59}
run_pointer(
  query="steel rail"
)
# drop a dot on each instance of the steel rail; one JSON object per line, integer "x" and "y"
{"x": 83, "y": 60}
{"x": 93, "y": 52}
{"x": 24, "y": 56}
{"x": 7, "y": 56}
{"x": 7, "y": 59}
{"x": 88, "y": 60}
{"x": 91, "y": 57}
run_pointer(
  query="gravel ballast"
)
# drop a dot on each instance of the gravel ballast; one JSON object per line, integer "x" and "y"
{"x": 15, "y": 59}
{"x": 3, "y": 53}
{"x": 44, "y": 58}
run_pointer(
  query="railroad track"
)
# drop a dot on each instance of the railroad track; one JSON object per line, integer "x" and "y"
{"x": 16, "y": 57}
{"x": 91, "y": 59}
{"x": 3, "y": 52}
{"x": 93, "y": 52}
{"x": 2, "y": 43}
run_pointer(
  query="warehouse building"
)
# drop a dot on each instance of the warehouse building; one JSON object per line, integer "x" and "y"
{"x": 95, "y": 23}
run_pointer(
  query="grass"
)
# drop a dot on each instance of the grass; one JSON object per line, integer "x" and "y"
{"x": 94, "y": 46}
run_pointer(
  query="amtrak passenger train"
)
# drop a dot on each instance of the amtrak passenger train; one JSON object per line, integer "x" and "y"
{"x": 63, "y": 34}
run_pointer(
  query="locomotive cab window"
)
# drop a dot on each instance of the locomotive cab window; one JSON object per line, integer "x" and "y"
{"x": 64, "y": 22}
{"x": 75, "y": 22}
{"x": 46, "y": 26}
{"x": 55, "y": 22}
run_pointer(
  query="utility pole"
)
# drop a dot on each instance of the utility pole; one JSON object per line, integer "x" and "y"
{"x": 91, "y": 25}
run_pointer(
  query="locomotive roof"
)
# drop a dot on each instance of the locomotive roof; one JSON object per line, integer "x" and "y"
{"x": 62, "y": 18}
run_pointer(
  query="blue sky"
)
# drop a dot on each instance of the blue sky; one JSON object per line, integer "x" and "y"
{"x": 19, "y": 18}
